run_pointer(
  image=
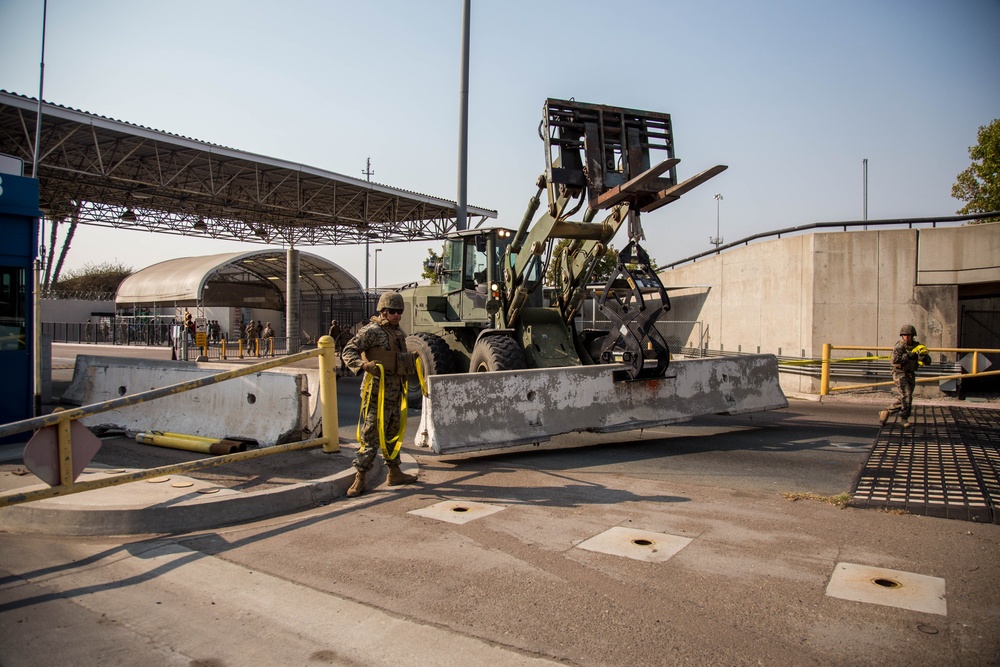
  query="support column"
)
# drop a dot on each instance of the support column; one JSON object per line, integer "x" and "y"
{"x": 292, "y": 327}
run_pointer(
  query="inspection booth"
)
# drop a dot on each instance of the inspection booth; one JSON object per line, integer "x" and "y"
{"x": 19, "y": 215}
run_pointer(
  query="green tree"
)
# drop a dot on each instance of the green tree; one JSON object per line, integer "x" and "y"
{"x": 99, "y": 278}
{"x": 429, "y": 270}
{"x": 979, "y": 185}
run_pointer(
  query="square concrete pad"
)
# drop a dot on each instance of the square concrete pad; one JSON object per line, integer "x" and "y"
{"x": 893, "y": 588}
{"x": 636, "y": 544}
{"x": 456, "y": 511}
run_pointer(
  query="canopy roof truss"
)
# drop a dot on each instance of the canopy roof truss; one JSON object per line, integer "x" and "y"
{"x": 110, "y": 173}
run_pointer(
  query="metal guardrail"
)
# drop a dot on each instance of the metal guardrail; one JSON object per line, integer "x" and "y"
{"x": 777, "y": 233}
{"x": 61, "y": 421}
{"x": 927, "y": 374}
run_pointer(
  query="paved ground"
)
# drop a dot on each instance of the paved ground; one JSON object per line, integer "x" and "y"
{"x": 493, "y": 560}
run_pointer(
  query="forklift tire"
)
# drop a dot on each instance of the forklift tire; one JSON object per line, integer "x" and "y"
{"x": 496, "y": 353}
{"x": 435, "y": 358}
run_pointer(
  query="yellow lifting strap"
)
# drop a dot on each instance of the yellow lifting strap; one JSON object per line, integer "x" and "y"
{"x": 366, "y": 397}
{"x": 420, "y": 375}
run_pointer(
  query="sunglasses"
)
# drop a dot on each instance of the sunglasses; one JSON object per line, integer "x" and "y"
{"x": 394, "y": 311}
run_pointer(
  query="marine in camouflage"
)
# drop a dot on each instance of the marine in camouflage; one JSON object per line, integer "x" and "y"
{"x": 377, "y": 335}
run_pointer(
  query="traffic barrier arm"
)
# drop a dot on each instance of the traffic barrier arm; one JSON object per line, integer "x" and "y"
{"x": 62, "y": 419}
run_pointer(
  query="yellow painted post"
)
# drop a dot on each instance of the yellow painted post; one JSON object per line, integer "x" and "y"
{"x": 65, "y": 452}
{"x": 328, "y": 394}
{"x": 824, "y": 382}
{"x": 241, "y": 348}
{"x": 222, "y": 351}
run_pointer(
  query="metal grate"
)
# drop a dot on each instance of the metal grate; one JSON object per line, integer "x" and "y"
{"x": 945, "y": 464}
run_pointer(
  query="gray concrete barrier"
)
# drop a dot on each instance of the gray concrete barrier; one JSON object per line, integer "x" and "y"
{"x": 271, "y": 407}
{"x": 488, "y": 411}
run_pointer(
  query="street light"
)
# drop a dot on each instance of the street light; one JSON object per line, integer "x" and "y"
{"x": 717, "y": 239}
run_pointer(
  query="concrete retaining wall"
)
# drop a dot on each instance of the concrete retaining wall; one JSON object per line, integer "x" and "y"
{"x": 272, "y": 407}
{"x": 789, "y": 296}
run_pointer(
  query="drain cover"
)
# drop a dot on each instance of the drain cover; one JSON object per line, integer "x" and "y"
{"x": 455, "y": 511}
{"x": 893, "y": 588}
{"x": 636, "y": 544}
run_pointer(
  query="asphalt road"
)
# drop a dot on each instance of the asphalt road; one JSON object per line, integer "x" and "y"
{"x": 368, "y": 582}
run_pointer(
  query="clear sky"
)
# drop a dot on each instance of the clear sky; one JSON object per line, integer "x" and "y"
{"x": 792, "y": 94}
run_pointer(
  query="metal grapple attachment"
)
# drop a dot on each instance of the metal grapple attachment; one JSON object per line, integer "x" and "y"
{"x": 634, "y": 339}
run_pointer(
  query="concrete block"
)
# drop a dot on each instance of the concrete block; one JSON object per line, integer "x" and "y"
{"x": 472, "y": 412}
{"x": 272, "y": 407}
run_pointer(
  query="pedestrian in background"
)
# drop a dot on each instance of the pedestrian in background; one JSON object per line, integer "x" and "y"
{"x": 906, "y": 356}
{"x": 267, "y": 340}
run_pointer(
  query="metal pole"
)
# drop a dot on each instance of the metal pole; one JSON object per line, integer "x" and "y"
{"x": 37, "y": 296}
{"x": 717, "y": 239}
{"x": 41, "y": 84}
{"x": 292, "y": 300}
{"x": 377, "y": 251}
{"x": 368, "y": 174}
{"x": 461, "y": 219}
{"x": 864, "y": 190}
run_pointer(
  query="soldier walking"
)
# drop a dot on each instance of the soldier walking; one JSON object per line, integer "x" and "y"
{"x": 907, "y": 355}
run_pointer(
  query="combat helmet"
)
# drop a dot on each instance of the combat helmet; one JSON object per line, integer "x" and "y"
{"x": 390, "y": 300}
{"x": 908, "y": 329}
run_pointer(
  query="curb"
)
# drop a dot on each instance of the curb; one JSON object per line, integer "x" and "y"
{"x": 199, "y": 513}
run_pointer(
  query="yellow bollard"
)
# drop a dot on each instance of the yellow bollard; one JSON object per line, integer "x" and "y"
{"x": 824, "y": 382}
{"x": 328, "y": 394}
{"x": 222, "y": 351}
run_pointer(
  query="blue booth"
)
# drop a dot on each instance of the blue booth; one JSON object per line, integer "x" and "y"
{"x": 19, "y": 217}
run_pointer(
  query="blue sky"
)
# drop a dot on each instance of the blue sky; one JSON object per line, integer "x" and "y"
{"x": 791, "y": 95}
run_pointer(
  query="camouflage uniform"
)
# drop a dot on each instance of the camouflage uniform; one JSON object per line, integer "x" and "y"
{"x": 904, "y": 375}
{"x": 378, "y": 339}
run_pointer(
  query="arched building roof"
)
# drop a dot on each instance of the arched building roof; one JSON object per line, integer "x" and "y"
{"x": 252, "y": 279}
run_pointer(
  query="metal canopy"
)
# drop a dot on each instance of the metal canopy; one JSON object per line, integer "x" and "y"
{"x": 188, "y": 281}
{"x": 111, "y": 173}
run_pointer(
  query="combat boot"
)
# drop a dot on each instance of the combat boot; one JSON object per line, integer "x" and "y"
{"x": 397, "y": 476}
{"x": 359, "y": 485}
{"x": 882, "y": 417}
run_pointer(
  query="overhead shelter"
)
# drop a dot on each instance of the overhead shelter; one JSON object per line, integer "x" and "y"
{"x": 99, "y": 171}
{"x": 225, "y": 279}
{"x": 254, "y": 279}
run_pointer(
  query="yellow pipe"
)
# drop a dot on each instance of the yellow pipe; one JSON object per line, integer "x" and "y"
{"x": 181, "y": 442}
{"x": 187, "y": 436}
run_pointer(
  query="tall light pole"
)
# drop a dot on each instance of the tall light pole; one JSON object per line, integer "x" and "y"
{"x": 461, "y": 213}
{"x": 864, "y": 189}
{"x": 368, "y": 175}
{"x": 377, "y": 251}
{"x": 717, "y": 239}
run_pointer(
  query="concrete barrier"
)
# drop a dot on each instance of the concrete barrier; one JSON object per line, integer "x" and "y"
{"x": 271, "y": 407}
{"x": 475, "y": 412}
